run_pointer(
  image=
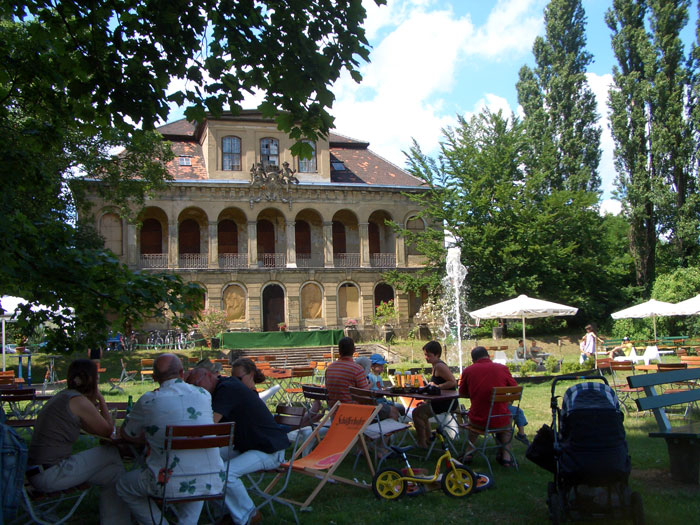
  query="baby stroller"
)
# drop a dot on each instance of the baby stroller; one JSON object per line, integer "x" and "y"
{"x": 591, "y": 463}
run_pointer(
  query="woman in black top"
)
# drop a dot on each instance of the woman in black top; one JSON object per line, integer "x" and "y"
{"x": 442, "y": 378}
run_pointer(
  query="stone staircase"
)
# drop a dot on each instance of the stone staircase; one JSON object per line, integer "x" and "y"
{"x": 289, "y": 357}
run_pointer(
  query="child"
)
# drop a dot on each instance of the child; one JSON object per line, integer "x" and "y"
{"x": 377, "y": 363}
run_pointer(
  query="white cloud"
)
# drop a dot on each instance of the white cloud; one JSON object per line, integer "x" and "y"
{"x": 511, "y": 27}
{"x": 610, "y": 206}
{"x": 408, "y": 88}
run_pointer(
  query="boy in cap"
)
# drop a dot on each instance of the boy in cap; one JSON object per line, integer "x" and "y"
{"x": 388, "y": 409}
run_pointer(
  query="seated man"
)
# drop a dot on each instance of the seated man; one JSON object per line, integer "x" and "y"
{"x": 344, "y": 373}
{"x": 259, "y": 442}
{"x": 477, "y": 383}
{"x": 174, "y": 403}
{"x": 623, "y": 350}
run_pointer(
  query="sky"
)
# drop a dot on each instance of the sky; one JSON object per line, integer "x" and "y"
{"x": 432, "y": 60}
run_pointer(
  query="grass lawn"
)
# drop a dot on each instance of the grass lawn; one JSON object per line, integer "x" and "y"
{"x": 517, "y": 497}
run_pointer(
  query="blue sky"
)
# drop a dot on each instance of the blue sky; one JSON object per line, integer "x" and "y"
{"x": 432, "y": 60}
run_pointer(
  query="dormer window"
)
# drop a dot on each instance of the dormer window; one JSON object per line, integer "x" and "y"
{"x": 269, "y": 152}
{"x": 308, "y": 165}
{"x": 231, "y": 154}
{"x": 185, "y": 160}
{"x": 338, "y": 166}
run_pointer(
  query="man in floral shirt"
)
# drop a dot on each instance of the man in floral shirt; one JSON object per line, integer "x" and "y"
{"x": 174, "y": 403}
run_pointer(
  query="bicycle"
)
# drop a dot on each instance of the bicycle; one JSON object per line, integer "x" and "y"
{"x": 154, "y": 341}
{"x": 457, "y": 482}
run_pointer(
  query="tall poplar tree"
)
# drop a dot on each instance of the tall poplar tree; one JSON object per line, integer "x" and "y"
{"x": 649, "y": 105}
{"x": 560, "y": 108}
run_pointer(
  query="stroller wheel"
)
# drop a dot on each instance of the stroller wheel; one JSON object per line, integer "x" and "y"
{"x": 557, "y": 512}
{"x": 637, "y": 509}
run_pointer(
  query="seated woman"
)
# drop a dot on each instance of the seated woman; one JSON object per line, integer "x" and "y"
{"x": 442, "y": 378}
{"x": 245, "y": 370}
{"x": 52, "y": 466}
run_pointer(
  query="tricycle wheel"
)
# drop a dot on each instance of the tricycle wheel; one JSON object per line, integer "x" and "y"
{"x": 387, "y": 484}
{"x": 458, "y": 482}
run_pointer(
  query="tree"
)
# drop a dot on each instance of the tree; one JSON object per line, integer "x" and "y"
{"x": 78, "y": 80}
{"x": 513, "y": 238}
{"x": 654, "y": 140}
{"x": 560, "y": 108}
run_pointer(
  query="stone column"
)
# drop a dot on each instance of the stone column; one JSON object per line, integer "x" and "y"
{"x": 173, "y": 249}
{"x": 400, "y": 251}
{"x": 364, "y": 244}
{"x": 252, "y": 244}
{"x": 132, "y": 246}
{"x": 291, "y": 244}
{"x": 213, "y": 244}
{"x": 328, "y": 245}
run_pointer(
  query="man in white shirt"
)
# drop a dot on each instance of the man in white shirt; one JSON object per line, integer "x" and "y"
{"x": 174, "y": 403}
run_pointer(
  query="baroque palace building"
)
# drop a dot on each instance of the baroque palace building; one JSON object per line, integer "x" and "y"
{"x": 274, "y": 239}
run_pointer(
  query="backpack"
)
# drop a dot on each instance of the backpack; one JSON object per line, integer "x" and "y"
{"x": 13, "y": 464}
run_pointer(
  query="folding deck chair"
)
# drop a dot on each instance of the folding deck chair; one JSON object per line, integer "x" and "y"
{"x": 124, "y": 377}
{"x": 379, "y": 433}
{"x": 349, "y": 421}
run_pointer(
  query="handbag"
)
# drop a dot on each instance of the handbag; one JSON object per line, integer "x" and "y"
{"x": 541, "y": 450}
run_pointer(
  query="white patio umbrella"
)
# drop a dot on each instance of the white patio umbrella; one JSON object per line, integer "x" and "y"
{"x": 523, "y": 307}
{"x": 688, "y": 307}
{"x": 652, "y": 308}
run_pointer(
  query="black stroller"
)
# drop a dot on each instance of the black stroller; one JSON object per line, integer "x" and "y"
{"x": 589, "y": 460}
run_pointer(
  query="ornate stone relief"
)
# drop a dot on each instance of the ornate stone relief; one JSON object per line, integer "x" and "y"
{"x": 271, "y": 183}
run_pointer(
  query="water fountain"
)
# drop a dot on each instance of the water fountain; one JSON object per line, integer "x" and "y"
{"x": 452, "y": 299}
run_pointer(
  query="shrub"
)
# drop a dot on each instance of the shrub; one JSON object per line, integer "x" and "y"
{"x": 212, "y": 323}
{"x": 512, "y": 367}
{"x": 569, "y": 368}
{"x": 527, "y": 368}
{"x": 551, "y": 364}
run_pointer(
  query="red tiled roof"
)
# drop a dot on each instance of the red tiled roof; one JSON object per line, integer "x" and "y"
{"x": 363, "y": 166}
{"x": 179, "y": 128}
{"x": 197, "y": 170}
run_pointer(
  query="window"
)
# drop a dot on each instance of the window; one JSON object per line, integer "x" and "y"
{"x": 308, "y": 165}
{"x": 185, "y": 161}
{"x": 269, "y": 152}
{"x": 231, "y": 154}
{"x": 338, "y": 166}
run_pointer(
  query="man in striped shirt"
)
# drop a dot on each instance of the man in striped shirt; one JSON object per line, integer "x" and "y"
{"x": 344, "y": 373}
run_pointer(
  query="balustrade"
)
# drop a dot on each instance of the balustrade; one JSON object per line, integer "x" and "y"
{"x": 154, "y": 260}
{"x": 382, "y": 260}
{"x": 193, "y": 261}
{"x": 346, "y": 260}
{"x": 233, "y": 260}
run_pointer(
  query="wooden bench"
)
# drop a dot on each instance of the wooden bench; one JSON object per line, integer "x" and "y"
{"x": 683, "y": 442}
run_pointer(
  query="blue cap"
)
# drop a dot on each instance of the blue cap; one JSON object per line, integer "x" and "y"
{"x": 377, "y": 359}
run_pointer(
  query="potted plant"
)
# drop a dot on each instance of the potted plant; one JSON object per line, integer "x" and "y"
{"x": 351, "y": 329}
{"x": 282, "y": 326}
{"x": 211, "y": 324}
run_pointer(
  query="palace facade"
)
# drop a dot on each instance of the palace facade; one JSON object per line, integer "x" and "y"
{"x": 272, "y": 238}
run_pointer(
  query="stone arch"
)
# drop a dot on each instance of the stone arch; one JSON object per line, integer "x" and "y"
{"x": 235, "y": 302}
{"x": 308, "y": 238}
{"x": 346, "y": 239}
{"x": 193, "y": 234}
{"x": 414, "y": 225}
{"x": 311, "y": 300}
{"x": 271, "y": 238}
{"x": 383, "y": 293}
{"x": 273, "y": 306}
{"x": 349, "y": 300}
{"x": 382, "y": 243}
{"x": 153, "y": 231}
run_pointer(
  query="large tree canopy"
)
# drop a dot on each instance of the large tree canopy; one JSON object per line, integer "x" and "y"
{"x": 78, "y": 79}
